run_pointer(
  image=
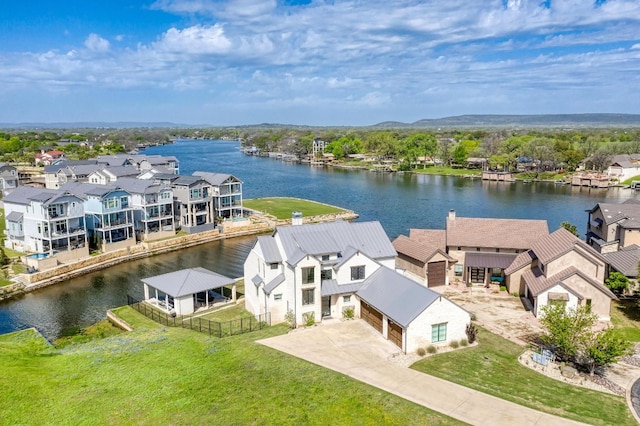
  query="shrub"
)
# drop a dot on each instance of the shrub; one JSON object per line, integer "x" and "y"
{"x": 515, "y": 294}
{"x": 290, "y": 318}
{"x": 473, "y": 317}
{"x": 432, "y": 349}
{"x": 503, "y": 288}
{"x": 454, "y": 344}
{"x": 309, "y": 318}
{"x": 464, "y": 342}
{"x": 348, "y": 312}
{"x": 421, "y": 352}
{"x": 471, "y": 332}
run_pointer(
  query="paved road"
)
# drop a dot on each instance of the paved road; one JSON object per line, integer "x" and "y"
{"x": 353, "y": 348}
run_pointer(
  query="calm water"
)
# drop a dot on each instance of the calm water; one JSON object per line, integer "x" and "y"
{"x": 398, "y": 201}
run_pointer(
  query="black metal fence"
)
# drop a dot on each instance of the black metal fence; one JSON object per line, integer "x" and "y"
{"x": 212, "y": 328}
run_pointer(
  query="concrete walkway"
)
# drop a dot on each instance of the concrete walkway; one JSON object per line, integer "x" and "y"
{"x": 353, "y": 348}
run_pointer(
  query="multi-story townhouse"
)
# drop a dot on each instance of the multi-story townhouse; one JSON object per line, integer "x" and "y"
{"x": 153, "y": 208}
{"x": 8, "y": 178}
{"x": 49, "y": 223}
{"x": 194, "y": 206}
{"x": 226, "y": 192}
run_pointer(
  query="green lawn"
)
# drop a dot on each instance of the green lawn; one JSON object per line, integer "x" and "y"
{"x": 492, "y": 367}
{"x": 625, "y": 316}
{"x": 630, "y": 180}
{"x": 282, "y": 208}
{"x": 227, "y": 314}
{"x": 455, "y": 171}
{"x": 163, "y": 375}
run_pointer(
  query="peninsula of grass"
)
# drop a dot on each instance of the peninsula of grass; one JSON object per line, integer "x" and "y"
{"x": 281, "y": 207}
{"x": 492, "y": 367}
{"x": 159, "y": 375}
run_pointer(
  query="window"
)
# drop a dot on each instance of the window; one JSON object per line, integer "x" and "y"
{"x": 196, "y": 193}
{"x": 124, "y": 202}
{"x": 308, "y": 296}
{"x": 277, "y": 296}
{"x": 459, "y": 248}
{"x": 498, "y": 250}
{"x": 326, "y": 274}
{"x": 166, "y": 195}
{"x": 308, "y": 275}
{"x": 457, "y": 270}
{"x": 110, "y": 203}
{"x": 346, "y": 299}
{"x": 357, "y": 273}
{"x": 439, "y": 332}
{"x": 273, "y": 265}
{"x": 325, "y": 257}
{"x": 477, "y": 248}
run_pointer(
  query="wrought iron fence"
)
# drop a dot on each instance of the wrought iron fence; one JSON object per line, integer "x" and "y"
{"x": 203, "y": 325}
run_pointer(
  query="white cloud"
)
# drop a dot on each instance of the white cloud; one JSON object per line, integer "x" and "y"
{"x": 95, "y": 43}
{"x": 196, "y": 40}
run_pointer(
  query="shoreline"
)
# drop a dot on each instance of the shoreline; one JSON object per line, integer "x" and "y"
{"x": 259, "y": 224}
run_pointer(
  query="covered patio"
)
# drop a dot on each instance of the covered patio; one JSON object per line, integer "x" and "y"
{"x": 189, "y": 290}
{"x": 486, "y": 268}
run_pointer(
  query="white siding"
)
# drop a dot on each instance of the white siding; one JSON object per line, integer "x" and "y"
{"x": 543, "y": 299}
{"x": 418, "y": 334}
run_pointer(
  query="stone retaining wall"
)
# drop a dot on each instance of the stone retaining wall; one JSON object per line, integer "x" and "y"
{"x": 118, "y": 322}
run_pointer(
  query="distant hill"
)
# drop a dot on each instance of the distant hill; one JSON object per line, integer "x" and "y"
{"x": 535, "y": 120}
{"x": 98, "y": 125}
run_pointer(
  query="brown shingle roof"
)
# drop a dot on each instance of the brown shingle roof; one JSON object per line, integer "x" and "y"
{"x": 495, "y": 233}
{"x": 421, "y": 247}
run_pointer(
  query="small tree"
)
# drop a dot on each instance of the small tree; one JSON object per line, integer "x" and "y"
{"x": 602, "y": 349}
{"x": 617, "y": 282}
{"x": 570, "y": 227}
{"x": 565, "y": 328}
{"x": 290, "y": 318}
{"x": 472, "y": 332}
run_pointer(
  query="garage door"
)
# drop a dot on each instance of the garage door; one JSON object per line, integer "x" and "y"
{"x": 371, "y": 316}
{"x": 437, "y": 272}
{"x": 395, "y": 334}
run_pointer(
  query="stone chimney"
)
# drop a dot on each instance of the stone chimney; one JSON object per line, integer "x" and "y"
{"x": 452, "y": 214}
{"x": 296, "y": 218}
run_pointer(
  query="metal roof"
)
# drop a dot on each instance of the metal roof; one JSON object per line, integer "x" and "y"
{"x": 139, "y": 186}
{"x": 216, "y": 178}
{"x": 26, "y": 194}
{"x": 188, "y": 281}
{"x": 625, "y": 260}
{"x": 396, "y": 296}
{"x": 334, "y": 237}
{"x": 488, "y": 260}
{"x": 271, "y": 285}
{"x": 256, "y": 280}
{"x": 537, "y": 282}
{"x": 269, "y": 249}
{"x": 331, "y": 287}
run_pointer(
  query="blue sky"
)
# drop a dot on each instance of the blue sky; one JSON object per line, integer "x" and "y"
{"x": 328, "y": 62}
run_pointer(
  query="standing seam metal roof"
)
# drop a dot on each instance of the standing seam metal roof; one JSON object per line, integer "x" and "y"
{"x": 188, "y": 281}
{"x": 269, "y": 249}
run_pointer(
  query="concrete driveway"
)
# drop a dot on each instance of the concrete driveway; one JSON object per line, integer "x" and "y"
{"x": 353, "y": 348}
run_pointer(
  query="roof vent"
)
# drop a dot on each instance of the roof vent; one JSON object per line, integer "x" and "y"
{"x": 296, "y": 218}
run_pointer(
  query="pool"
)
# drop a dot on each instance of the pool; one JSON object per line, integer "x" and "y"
{"x": 39, "y": 256}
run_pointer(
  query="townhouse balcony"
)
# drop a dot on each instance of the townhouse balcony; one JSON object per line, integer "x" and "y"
{"x": 64, "y": 214}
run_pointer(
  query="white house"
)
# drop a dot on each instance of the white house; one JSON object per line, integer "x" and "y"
{"x": 316, "y": 271}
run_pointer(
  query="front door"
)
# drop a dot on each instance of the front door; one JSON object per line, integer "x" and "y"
{"x": 326, "y": 306}
{"x": 477, "y": 275}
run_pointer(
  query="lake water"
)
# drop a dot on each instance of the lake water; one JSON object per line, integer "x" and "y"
{"x": 398, "y": 201}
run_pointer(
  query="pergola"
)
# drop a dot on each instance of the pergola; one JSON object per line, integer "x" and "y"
{"x": 182, "y": 291}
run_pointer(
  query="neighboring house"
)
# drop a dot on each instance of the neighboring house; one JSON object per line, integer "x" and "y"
{"x": 52, "y": 171}
{"x": 226, "y": 192}
{"x": 47, "y": 222}
{"x": 194, "y": 206}
{"x": 49, "y": 157}
{"x": 105, "y": 175}
{"x": 625, "y": 261}
{"x": 153, "y": 208}
{"x": 561, "y": 269}
{"x": 424, "y": 253}
{"x": 141, "y": 162}
{"x": 109, "y": 214}
{"x": 613, "y": 226}
{"x": 624, "y": 166}
{"x": 184, "y": 292}
{"x": 325, "y": 270}
{"x": 8, "y": 178}
{"x": 474, "y": 250}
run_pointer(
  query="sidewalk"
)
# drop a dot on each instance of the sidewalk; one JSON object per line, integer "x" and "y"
{"x": 356, "y": 350}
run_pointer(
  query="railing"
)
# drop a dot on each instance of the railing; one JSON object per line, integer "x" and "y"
{"x": 212, "y": 328}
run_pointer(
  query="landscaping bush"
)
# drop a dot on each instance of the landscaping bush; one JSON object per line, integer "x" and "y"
{"x": 432, "y": 349}
{"x": 349, "y": 312}
{"x": 472, "y": 332}
{"x": 309, "y": 318}
{"x": 503, "y": 288}
{"x": 473, "y": 317}
{"x": 454, "y": 344}
{"x": 290, "y": 318}
{"x": 515, "y": 294}
{"x": 421, "y": 352}
{"x": 464, "y": 342}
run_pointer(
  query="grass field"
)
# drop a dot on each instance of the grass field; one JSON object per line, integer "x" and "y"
{"x": 437, "y": 170}
{"x": 157, "y": 375}
{"x": 492, "y": 367}
{"x": 282, "y": 208}
{"x": 625, "y": 316}
{"x": 630, "y": 180}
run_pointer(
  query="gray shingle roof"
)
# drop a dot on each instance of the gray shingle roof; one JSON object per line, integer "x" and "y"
{"x": 494, "y": 233}
{"x": 14, "y": 217}
{"x": 188, "y": 281}
{"x": 625, "y": 260}
{"x": 185, "y": 180}
{"x": 334, "y": 237}
{"x": 138, "y": 186}
{"x": 396, "y": 296}
{"x": 618, "y": 212}
{"x": 269, "y": 249}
